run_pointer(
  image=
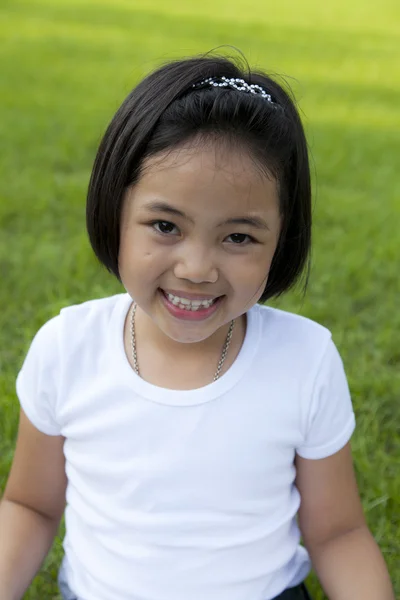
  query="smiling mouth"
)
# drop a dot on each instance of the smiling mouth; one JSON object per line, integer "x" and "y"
{"x": 190, "y": 305}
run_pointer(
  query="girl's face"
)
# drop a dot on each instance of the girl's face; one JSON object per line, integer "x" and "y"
{"x": 201, "y": 224}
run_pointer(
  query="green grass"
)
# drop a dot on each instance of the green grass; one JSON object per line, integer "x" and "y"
{"x": 67, "y": 65}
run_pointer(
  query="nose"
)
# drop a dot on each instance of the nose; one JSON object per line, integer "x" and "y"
{"x": 196, "y": 264}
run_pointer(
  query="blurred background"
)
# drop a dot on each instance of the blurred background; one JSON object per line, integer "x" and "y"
{"x": 66, "y": 66}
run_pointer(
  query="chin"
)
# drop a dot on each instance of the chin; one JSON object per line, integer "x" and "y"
{"x": 186, "y": 338}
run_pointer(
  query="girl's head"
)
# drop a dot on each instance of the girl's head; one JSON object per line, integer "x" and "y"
{"x": 202, "y": 188}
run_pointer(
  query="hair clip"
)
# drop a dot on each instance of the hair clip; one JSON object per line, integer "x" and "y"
{"x": 237, "y": 84}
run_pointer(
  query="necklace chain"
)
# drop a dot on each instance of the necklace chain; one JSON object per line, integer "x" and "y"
{"x": 134, "y": 351}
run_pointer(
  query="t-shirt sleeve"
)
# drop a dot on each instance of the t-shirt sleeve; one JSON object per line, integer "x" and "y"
{"x": 330, "y": 420}
{"x": 37, "y": 380}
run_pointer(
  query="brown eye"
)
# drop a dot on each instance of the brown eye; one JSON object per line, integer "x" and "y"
{"x": 240, "y": 238}
{"x": 164, "y": 227}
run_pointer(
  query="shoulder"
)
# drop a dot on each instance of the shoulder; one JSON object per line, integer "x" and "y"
{"x": 90, "y": 322}
{"x": 93, "y": 309}
{"x": 291, "y": 344}
{"x": 78, "y": 324}
{"x": 291, "y": 330}
{"x": 64, "y": 348}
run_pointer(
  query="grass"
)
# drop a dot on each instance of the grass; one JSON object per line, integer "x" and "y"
{"x": 66, "y": 66}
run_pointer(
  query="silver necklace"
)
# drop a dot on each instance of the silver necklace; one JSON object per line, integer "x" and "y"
{"x": 134, "y": 351}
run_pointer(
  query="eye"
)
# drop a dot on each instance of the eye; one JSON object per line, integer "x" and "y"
{"x": 241, "y": 239}
{"x": 163, "y": 227}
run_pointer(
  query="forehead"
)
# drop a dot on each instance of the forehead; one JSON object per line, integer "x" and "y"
{"x": 212, "y": 171}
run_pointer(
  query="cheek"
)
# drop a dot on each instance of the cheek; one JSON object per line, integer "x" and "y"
{"x": 254, "y": 266}
{"x": 139, "y": 258}
{"x": 250, "y": 276}
{"x": 252, "y": 279}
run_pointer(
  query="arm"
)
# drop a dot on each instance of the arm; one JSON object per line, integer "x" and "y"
{"x": 31, "y": 509}
{"x": 344, "y": 554}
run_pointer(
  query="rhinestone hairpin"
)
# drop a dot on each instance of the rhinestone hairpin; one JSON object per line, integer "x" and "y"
{"x": 237, "y": 84}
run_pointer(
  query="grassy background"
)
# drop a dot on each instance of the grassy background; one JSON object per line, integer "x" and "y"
{"x": 67, "y": 65}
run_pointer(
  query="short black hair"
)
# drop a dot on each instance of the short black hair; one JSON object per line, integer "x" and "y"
{"x": 164, "y": 111}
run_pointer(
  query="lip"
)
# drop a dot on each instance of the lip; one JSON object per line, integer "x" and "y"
{"x": 188, "y": 295}
{"x": 187, "y": 315}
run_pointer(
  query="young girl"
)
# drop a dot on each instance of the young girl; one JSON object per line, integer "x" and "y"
{"x": 193, "y": 433}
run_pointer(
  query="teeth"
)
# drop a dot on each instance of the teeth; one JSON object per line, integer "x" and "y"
{"x": 186, "y": 304}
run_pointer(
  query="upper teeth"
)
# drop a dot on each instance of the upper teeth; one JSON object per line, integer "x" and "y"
{"x": 186, "y": 303}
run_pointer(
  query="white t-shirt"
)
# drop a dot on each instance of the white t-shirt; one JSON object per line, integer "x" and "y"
{"x": 184, "y": 494}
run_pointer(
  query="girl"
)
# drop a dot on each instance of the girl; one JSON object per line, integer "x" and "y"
{"x": 194, "y": 433}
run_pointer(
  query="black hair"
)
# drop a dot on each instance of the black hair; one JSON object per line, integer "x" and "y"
{"x": 165, "y": 111}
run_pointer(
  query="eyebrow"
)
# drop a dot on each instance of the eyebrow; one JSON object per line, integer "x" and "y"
{"x": 253, "y": 221}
